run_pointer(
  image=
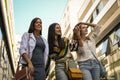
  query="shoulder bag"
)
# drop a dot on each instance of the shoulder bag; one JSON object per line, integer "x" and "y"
{"x": 72, "y": 70}
{"x": 23, "y": 73}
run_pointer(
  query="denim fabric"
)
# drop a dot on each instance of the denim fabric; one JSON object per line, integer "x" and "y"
{"x": 90, "y": 70}
{"x": 60, "y": 72}
{"x": 39, "y": 73}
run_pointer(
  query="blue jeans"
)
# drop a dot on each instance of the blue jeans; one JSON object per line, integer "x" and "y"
{"x": 60, "y": 72}
{"x": 90, "y": 70}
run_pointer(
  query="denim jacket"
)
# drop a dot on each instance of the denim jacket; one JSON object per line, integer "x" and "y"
{"x": 28, "y": 42}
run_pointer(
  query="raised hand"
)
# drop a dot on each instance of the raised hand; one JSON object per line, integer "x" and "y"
{"x": 76, "y": 31}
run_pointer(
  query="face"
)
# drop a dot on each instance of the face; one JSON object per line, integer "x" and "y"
{"x": 38, "y": 25}
{"x": 57, "y": 30}
{"x": 84, "y": 30}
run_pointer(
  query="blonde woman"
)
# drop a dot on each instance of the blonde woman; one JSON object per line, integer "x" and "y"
{"x": 86, "y": 45}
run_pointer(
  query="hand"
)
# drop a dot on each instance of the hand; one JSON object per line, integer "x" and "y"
{"x": 31, "y": 68}
{"x": 76, "y": 31}
{"x": 52, "y": 56}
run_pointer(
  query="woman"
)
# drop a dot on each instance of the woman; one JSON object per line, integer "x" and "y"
{"x": 59, "y": 50}
{"x": 87, "y": 46}
{"x": 34, "y": 50}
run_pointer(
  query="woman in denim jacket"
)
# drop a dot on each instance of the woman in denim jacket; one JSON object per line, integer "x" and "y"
{"x": 34, "y": 50}
{"x": 86, "y": 45}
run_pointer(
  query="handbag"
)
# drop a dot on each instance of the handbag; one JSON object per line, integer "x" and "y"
{"x": 23, "y": 73}
{"x": 72, "y": 70}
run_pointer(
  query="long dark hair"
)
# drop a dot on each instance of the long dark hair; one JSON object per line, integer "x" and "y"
{"x": 32, "y": 27}
{"x": 51, "y": 38}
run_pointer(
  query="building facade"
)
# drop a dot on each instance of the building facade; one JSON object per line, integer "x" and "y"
{"x": 105, "y": 13}
{"x": 7, "y": 43}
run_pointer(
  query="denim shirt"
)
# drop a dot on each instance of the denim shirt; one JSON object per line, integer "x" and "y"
{"x": 28, "y": 40}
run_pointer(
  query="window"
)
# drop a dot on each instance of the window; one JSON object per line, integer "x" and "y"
{"x": 105, "y": 43}
{"x": 91, "y": 19}
{"x": 99, "y": 7}
{"x": 117, "y": 32}
{"x": 99, "y": 49}
{"x": 116, "y": 36}
{"x": 112, "y": 37}
{"x": 94, "y": 14}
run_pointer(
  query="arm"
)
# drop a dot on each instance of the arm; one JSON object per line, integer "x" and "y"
{"x": 80, "y": 42}
{"x": 24, "y": 53}
{"x": 89, "y": 24}
{"x": 27, "y": 59}
{"x": 95, "y": 26}
{"x": 77, "y": 34}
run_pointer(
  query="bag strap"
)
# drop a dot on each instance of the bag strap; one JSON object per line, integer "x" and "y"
{"x": 18, "y": 65}
{"x": 93, "y": 54}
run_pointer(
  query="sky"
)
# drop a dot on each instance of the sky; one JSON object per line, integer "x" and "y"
{"x": 49, "y": 11}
